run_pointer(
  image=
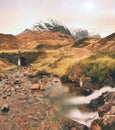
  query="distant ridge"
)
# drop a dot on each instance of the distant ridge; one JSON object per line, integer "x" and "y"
{"x": 107, "y": 43}
{"x": 52, "y": 33}
{"x": 8, "y": 41}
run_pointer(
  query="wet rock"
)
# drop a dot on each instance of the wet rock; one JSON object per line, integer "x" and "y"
{"x": 73, "y": 125}
{"x": 107, "y": 111}
{"x": 95, "y": 103}
{"x": 95, "y": 125}
{"x": 87, "y": 86}
{"x": 5, "y": 108}
{"x": 17, "y": 81}
{"x": 104, "y": 109}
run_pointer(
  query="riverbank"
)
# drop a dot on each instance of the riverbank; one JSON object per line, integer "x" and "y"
{"x": 37, "y": 103}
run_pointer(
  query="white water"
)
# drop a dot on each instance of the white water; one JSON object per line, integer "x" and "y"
{"x": 86, "y": 99}
{"x": 82, "y": 117}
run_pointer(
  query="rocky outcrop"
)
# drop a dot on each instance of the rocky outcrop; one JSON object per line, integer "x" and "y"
{"x": 73, "y": 125}
{"x": 96, "y": 103}
{"x": 86, "y": 86}
{"x": 51, "y": 25}
{"x": 106, "y": 110}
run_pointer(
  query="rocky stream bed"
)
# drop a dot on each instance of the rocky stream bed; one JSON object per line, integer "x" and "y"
{"x": 37, "y": 104}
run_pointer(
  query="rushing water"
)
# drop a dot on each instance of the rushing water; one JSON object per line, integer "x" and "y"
{"x": 83, "y": 117}
{"x": 86, "y": 99}
{"x": 70, "y": 106}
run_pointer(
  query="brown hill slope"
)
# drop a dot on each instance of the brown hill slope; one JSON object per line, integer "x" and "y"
{"x": 33, "y": 38}
{"x": 107, "y": 43}
{"x": 5, "y": 65}
{"x": 8, "y": 41}
{"x": 85, "y": 42}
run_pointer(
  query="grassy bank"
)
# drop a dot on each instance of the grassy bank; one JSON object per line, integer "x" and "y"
{"x": 5, "y": 65}
{"x": 99, "y": 67}
{"x": 55, "y": 62}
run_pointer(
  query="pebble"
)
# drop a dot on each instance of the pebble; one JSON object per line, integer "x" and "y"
{"x": 35, "y": 87}
{"x": 5, "y": 108}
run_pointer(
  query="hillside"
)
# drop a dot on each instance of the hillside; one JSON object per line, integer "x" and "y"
{"x": 49, "y": 32}
{"x": 8, "y": 41}
{"x": 33, "y": 38}
{"x": 107, "y": 43}
{"x": 50, "y": 67}
{"x": 5, "y": 65}
{"x": 85, "y": 42}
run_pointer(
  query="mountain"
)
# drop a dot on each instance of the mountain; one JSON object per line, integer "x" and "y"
{"x": 79, "y": 33}
{"x": 52, "y": 26}
{"x": 52, "y": 33}
{"x": 83, "y": 33}
{"x": 94, "y": 35}
{"x": 8, "y": 41}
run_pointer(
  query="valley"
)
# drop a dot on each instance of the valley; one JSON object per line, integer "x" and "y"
{"x": 43, "y": 66}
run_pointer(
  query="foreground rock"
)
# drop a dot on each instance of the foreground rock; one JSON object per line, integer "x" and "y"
{"x": 5, "y": 108}
{"x": 106, "y": 110}
{"x": 25, "y": 106}
{"x": 37, "y": 87}
{"x": 73, "y": 125}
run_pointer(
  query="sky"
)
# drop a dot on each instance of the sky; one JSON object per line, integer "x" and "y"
{"x": 93, "y": 15}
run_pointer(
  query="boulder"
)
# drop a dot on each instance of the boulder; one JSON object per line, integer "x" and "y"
{"x": 96, "y": 103}
{"x": 87, "y": 86}
{"x": 73, "y": 125}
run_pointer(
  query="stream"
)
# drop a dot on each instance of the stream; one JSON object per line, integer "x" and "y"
{"x": 43, "y": 110}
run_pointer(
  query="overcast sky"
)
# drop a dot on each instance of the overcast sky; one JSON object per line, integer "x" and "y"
{"x": 94, "y": 15}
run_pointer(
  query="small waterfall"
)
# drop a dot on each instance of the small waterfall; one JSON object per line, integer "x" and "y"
{"x": 86, "y": 99}
{"x": 84, "y": 117}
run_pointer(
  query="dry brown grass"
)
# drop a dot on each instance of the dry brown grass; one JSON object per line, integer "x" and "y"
{"x": 34, "y": 38}
{"x": 5, "y": 65}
